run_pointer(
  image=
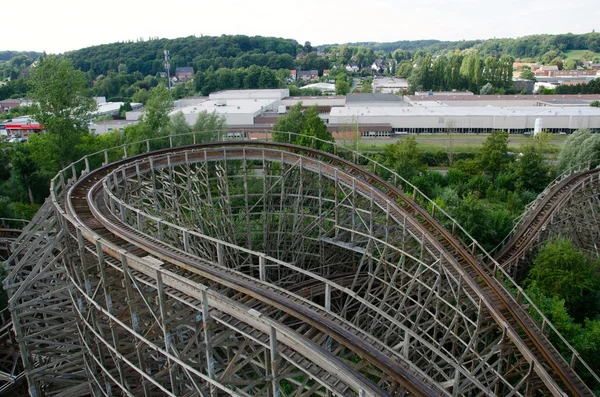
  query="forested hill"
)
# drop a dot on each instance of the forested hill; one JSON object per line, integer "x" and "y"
{"x": 199, "y": 52}
{"x": 8, "y": 55}
{"x": 412, "y": 45}
{"x": 533, "y": 46}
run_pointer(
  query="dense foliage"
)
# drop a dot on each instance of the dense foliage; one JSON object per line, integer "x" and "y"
{"x": 593, "y": 87}
{"x": 8, "y": 55}
{"x": 236, "y": 79}
{"x": 580, "y": 149}
{"x": 306, "y": 125}
{"x": 201, "y": 53}
{"x": 534, "y": 46}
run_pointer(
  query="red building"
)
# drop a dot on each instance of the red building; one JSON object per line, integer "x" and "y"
{"x": 19, "y": 129}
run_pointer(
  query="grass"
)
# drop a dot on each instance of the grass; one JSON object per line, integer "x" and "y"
{"x": 577, "y": 54}
{"x": 463, "y": 143}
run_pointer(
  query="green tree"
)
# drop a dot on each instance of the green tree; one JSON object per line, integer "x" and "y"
{"x": 314, "y": 127}
{"x": 178, "y": 124}
{"x": 559, "y": 269}
{"x": 292, "y": 122}
{"x": 209, "y": 126}
{"x": 157, "y": 109}
{"x": 305, "y": 125}
{"x": 342, "y": 86}
{"x": 404, "y": 157}
{"x": 24, "y": 170}
{"x": 527, "y": 74}
{"x": 140, "y": 96}
{"x": 64, "y": 105}
{"x": 494, "y": 154}
{"x": 531, "y": 168}
{"x": 580, "y": 148}
{"x": 487, "y": 89}
{"x": 595, "y": 104}
{"x": 404, "y": 69}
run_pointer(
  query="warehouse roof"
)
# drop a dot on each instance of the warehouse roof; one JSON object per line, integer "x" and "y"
{"x": 545, "y": 98}
{"x": 354, "y": 98}
{"x": 228, "y": 106}
{"x": 458, "y": 111}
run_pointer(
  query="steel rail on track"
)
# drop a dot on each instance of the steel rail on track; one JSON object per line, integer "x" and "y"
{"x": 62, "y": 178}
{"x": 415, "y": 207}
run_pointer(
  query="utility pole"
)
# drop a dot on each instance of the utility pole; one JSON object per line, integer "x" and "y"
{"x": 168, "y": 68}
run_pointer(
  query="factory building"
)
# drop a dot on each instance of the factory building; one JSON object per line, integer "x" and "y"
{"x": 387, "y": 121}
{"x": 240, "y": 107}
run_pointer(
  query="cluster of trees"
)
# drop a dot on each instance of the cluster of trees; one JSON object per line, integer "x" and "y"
{"x": 304, "y": 126}
{"x": 484, "y": 193}
{"x": 64, "y": 107}
{"x": 593, "y": 87}
{"x": 146, "y": 57}
{"x": 535, "y": 47}
{"x": 237, "y": 79}
{"x": 462, "y": 70}
{"x": 565, "y": 284}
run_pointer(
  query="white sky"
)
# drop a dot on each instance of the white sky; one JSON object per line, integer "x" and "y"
{"x": 61, "y": 25}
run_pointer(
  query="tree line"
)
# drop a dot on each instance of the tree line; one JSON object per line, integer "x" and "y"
{"x": 462, "y": 70}
{"x": 201, "y": 53}
{"x": 533, "y": 46}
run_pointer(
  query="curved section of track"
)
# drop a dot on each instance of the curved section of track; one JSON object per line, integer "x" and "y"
{"x": 537, "y": 219}
{"x": 462, "y": 335}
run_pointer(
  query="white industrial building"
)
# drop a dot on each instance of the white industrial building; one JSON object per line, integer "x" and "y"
{"x": 326, "y": 88}
{"x": 389, "y": 85}
{"x": 239, "y": 107}
{"x": 389, "y": 120}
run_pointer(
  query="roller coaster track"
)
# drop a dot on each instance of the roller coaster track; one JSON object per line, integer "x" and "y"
{"x": 11, "y": 368}
{"x": 413, "y": 310}
{"x": 526, "y": 234}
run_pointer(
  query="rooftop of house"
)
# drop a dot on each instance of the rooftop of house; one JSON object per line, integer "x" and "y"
{"x": 549, "y": 67}
{"x": 307, "y": 72}
{"x": 184, "y": 69}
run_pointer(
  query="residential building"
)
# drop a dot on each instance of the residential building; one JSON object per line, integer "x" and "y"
{"x": 545, "y": 70}
{"x": 378, "y": 66}
{"x": 184, "y": 74}
{"x": 325, "y": 72}
{"x": 293, "y": 74}
{"x": 573, "y": 73}
{"x": 308, "y": 75}
{"x": 8, "y": 104}
{"x": 352, "y": 67}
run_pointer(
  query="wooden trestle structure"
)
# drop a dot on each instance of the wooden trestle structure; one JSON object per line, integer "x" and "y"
{"x": 254, "y": 268}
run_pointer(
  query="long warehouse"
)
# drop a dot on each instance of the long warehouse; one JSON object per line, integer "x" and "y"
{"x": 389, "y": 120}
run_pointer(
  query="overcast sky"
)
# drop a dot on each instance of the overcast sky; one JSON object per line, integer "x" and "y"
{"x": 60, "y": 25}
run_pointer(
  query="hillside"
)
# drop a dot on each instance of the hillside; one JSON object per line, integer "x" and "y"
{"x": 199, "y": 52}
{"x": 6, "y": 56}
